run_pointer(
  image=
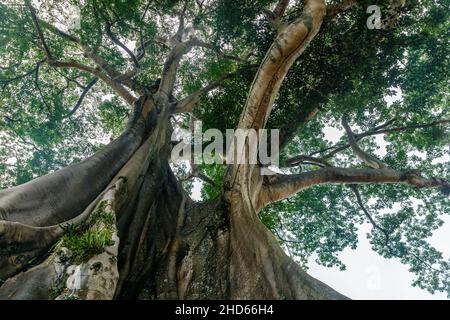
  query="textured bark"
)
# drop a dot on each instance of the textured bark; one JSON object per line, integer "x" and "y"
{"x": 160, "y": 244}
{"x": 163, "y": 245}
{"x": 213, "y": 250}
{"x": 286, "y": 48}
{"x": 280, "y": 186}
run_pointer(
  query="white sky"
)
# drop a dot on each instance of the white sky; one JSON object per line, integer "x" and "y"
{"x": 368, "y": 275}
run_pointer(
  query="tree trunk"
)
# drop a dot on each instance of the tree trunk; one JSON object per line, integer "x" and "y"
{"x": 160, "y": 244}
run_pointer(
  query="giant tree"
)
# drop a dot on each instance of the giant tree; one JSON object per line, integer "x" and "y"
{"x": 116, "y": 84}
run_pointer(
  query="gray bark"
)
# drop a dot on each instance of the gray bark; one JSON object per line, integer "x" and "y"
{"x": 163, "y": 244}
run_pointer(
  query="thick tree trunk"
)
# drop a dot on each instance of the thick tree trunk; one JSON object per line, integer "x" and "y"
{"x": 213, "y": 250}
{"x": 161, "y": 244}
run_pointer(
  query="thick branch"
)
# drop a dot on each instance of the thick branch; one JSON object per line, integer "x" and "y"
{"x": 279, "y": 187}
{"x": 309, "y": 110}
{"x": 286, "y": 48}
{"x": 288, "y": 45}
{"x": 171, "y": 67}
{"x": 179, "y": 34}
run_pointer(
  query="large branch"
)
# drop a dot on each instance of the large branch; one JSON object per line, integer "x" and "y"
{"x": 171, "y": 65}
{"x": 179, "y": 49}
{"x": 287, "y": 47}
{"x": 172, "y": 62}
{"x": 280, "y": 186}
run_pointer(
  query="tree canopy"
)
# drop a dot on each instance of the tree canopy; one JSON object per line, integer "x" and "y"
{"x": 66, "y": 92}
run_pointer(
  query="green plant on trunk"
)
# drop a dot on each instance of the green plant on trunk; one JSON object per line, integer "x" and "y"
{"x": 88, "y": 243}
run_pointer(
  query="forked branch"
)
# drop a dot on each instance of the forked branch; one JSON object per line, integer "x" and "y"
{"x": 368, "y": 159}
{"x": 103, "y": 70}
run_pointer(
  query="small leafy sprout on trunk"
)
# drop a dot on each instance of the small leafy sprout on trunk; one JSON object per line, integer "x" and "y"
{"x": 90, "y": 237}
{"x": 89, "y": 243}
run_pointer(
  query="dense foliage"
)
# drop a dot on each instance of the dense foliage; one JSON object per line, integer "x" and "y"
{"x": 397, "y": 75}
